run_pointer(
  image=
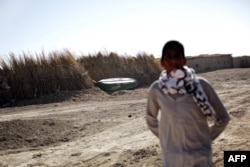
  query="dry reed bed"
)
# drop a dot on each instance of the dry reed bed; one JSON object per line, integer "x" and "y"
{"x": 31, "y": 76}
{"x": 142, "y": 67}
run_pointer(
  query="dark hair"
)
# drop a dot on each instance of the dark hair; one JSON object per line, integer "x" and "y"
{"x": 173, "y": 45}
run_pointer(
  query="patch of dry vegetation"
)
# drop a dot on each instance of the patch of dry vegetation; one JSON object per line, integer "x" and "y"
{"x": 142, "y": 67}
{"x": 29, "y": 77}
{"x": 32, "y": 76}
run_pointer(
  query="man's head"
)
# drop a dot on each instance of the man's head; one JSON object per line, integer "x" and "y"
{"x": 173, "y": 56}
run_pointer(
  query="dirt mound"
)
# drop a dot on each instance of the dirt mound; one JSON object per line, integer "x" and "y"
{"x": 16, "y": 134}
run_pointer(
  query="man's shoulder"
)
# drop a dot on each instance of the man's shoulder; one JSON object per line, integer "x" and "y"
{"x": 207, "y": 86}
{"x": 203, "y": 80}
{"x": 155, "y": 84}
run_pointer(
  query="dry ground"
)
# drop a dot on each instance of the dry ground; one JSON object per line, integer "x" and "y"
{"x": 94, "y": 128}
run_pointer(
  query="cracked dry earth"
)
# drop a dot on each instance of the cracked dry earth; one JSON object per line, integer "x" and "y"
{"x": 96, "y": 128}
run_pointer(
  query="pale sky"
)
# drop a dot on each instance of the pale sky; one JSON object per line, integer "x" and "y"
{"x": 124, "y": 26}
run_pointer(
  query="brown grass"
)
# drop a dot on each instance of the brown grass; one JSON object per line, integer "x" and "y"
{"x": 142, "y": 67}
{"x": 30, "y": 77}
{"x": 35, "y": 75}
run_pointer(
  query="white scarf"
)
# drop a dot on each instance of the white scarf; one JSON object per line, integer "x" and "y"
{"x": 184, "y": 81}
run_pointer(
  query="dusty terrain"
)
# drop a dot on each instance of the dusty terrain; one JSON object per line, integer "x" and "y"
{"x": 94, "y": 128}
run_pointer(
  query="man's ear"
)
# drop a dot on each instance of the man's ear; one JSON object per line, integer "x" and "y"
{"x": 161, "y": 62}
{"x": 185, "y": 60}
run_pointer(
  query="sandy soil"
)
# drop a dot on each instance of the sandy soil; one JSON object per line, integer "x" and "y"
{"x": 94, "y": 128}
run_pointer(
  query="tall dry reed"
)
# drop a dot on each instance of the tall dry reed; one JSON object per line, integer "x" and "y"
{"x": 142, "y": 67}
{"x": 35, "y": 75}
{"x": 30, "y": 77}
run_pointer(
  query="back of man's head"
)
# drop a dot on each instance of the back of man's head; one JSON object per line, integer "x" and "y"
{"x": 173, "y": 45}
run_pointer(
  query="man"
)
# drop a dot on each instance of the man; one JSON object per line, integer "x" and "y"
{"x": 185, "y": 102}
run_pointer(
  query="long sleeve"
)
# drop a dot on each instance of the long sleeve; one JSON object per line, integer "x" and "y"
{"x": 222, "y": 116}
{"x": 152, "y": 113}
